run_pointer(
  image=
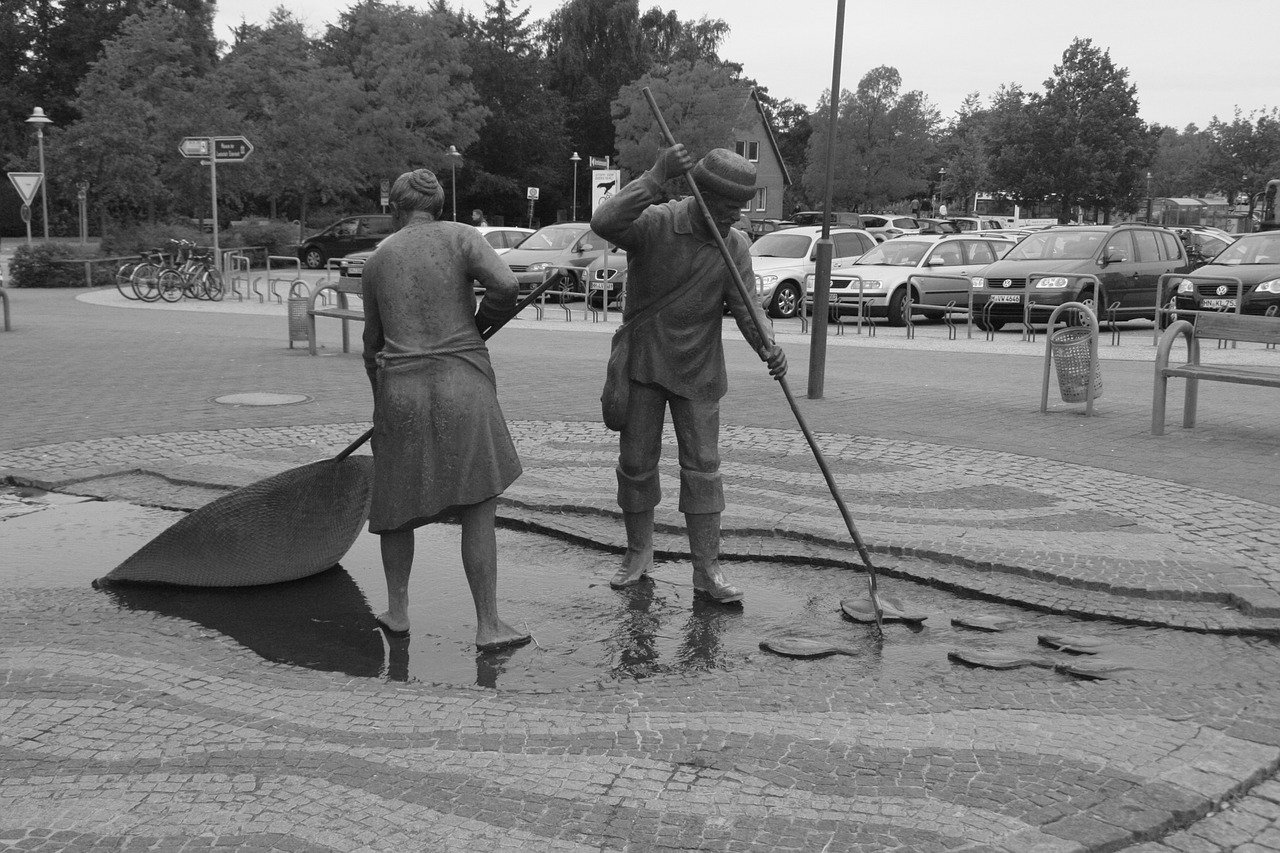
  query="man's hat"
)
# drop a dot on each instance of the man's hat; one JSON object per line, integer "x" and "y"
{"x": 726, "y": 174}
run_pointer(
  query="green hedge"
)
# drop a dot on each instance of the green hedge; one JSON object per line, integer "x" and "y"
{"x": 54, "y": 265}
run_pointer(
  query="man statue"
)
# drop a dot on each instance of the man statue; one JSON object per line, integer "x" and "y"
{"x": 441, "y": 449}
{"x": 677, "y": 358}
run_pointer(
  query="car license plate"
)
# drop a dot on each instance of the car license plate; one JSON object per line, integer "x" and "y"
{"x": 1217, "y": 303}
{"x": 1015, "y": 298}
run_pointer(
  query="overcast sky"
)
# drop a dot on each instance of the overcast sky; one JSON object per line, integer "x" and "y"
{"x": 1190, "y": 60}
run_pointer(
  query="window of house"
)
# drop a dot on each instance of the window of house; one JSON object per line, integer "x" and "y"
{"x": 750, "y": 150}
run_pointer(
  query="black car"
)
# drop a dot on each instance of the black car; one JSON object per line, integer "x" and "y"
{"x": 1070, "y": 263}
{"x": 352, "y": 234}
{"x": 1250, "y": 264}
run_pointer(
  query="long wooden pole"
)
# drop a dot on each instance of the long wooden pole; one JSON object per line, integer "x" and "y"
{"x": 782, "y": 380}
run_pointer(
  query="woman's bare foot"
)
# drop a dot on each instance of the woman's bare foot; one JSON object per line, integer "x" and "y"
{"x": 395, "y": 624}
{"x": 500, "y": 636}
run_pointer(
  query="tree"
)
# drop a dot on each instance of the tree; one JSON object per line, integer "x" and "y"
{"x": 417, "y": 88}
{"x": 700, "y": 103}
{"x": 1084, "y": 143}
{"x": 791, "y": 129}
{"x": 1245, "y": 153}
{"x": 297, "y": 114}
{"x": 964, "y": 149}
{"x": 523, "y": 141}
{"x": 884, "y": 142}
{"x": 593, "y": 49}
{"x": 137, "y": 103}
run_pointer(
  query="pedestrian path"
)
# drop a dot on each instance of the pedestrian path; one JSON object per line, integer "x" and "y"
{"x": 130, "y": 730}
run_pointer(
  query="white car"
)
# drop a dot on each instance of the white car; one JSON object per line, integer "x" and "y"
{"x": 783, "y": 259}
{"x": 877, "y": 283}
{"x": 504, "y": 238}
{"x": 886, "y": 226}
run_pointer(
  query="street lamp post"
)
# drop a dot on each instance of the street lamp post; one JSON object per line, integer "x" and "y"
{"x": 454, "y": 156}
{"x": 1149, "y": 205}
{"x": 39, "y": 119}
{"x": 575, "y": 159}
{"x": 942, "y": 175}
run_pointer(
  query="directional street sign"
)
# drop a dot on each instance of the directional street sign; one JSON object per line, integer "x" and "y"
{"x": 225, "y": 149}
{"x": 26, "y": 183}
{"x": 231, "y": 149}
{"x": 194, "y": 146}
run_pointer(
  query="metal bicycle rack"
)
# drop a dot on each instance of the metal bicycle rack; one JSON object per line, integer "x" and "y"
{"x": 948, "y": 309}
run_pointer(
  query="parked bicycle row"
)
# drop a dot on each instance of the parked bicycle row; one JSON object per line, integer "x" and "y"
{"x": 181, "y": 269}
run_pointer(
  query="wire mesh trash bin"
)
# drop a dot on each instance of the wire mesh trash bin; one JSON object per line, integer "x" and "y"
{"x": 1072, "y": 358}
{"x": 299, "y": 301}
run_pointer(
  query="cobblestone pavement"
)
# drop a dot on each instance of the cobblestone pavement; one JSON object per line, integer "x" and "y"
{"x": 123, "y": 730}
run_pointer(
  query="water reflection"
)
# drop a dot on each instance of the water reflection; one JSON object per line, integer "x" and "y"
{"x": 320, "y": 622}
{"x": 647, "y": 624}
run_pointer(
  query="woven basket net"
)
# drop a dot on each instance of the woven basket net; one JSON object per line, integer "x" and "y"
{"x": 289, "y": 526}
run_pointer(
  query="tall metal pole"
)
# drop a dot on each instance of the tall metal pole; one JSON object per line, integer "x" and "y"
{"x": 576, "y": 159}
{"x": 822, "y": 270}
{"x": 453, "y": 156}
{"x": 39, "y": 119}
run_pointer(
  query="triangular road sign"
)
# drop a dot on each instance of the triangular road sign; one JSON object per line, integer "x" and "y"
{"x": 26, "y": 184}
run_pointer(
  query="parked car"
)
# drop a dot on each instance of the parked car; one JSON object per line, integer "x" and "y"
{"x": 607, "y": 274}
{"x": 572, "y": 246}
{"x": 783, "y": 259}
{"x": 760, "y": 227}
{"x": 836, "y": 218}
{"x": 976, "y": 223}
{"x": 886, "y": 226}
{"x": 937, "y": 226}
{"x": 504, "y": 237}
{"x": 1069, "y": 263}
{"x": 1253, "y": 259}
{"x": 501, "y": 238}
{"x": 351, "y": 234}
{"x": 878, "y": 282}
{"x": 1203, "y": 244}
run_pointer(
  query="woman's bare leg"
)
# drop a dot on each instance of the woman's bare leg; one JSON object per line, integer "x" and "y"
{"x": 480, "y": 560}
{"x": 397, "y": 563}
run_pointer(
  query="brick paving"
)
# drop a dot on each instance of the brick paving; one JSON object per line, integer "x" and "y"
{"x": 135, "y": 731}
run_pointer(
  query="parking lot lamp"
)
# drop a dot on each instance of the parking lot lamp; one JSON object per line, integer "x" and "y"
{"x": 454, "y": 156}
{"x": 39, "y": 119}
{"x": 575, "y": 159}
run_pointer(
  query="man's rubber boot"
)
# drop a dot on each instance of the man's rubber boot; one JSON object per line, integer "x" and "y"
{"x": 638, "y": 561}
{"x": 704, "y": 543}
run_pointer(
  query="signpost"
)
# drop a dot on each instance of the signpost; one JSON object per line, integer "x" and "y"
{"x": 532, "y": 195}
{"x": 604, "y": 183}
{"x": 214, "y": 150}
{"x": 27, "y": 184}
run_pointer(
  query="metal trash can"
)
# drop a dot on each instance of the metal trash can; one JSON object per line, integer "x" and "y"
{"x": 1070, "y": 347}
{"x": 299, "y": 300}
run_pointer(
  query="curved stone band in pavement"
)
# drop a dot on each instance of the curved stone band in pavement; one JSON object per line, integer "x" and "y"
{"x": 1056, "y": 536}
{"x": 129, "y": 730}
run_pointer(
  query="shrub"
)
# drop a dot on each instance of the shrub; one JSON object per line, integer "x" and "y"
{"x": 46, "y": 265}
{"x": 278, "y": 238}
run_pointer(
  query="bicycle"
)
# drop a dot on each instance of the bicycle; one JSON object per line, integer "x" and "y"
{"x": 192, "y": 275}
{"x": 124, "y": 278}
{"x": 146, "y": 274}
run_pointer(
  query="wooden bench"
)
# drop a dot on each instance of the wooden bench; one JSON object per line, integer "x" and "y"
{"x": 342, "y": 310}
{"x": 1222, "y": 327}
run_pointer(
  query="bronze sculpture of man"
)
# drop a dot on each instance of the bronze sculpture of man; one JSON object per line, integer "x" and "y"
{"x": 677, "y": 357}
{"x": 441, "y": 447}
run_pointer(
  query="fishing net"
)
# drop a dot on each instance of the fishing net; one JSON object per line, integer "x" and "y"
{"x": 289, "y": 526}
